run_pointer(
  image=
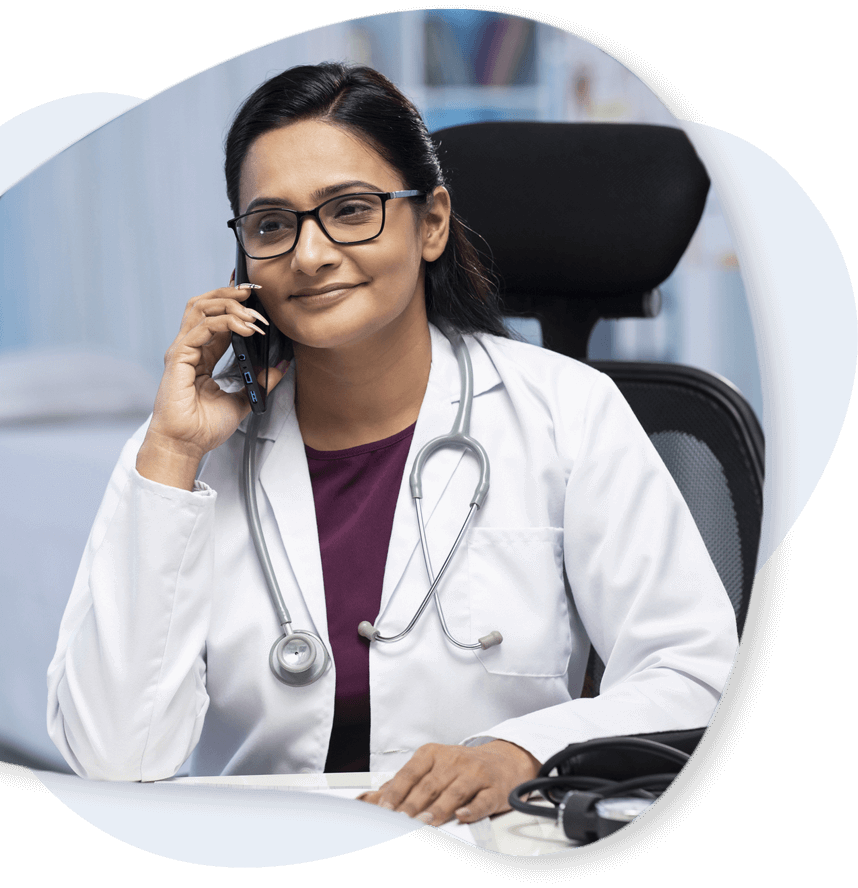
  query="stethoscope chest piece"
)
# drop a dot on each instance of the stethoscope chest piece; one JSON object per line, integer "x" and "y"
{"x": 299, "y": 658}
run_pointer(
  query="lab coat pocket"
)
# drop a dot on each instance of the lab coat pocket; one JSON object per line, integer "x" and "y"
{"x": 515, "y": 585}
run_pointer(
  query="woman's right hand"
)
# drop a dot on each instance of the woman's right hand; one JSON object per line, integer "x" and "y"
{"x": 192, "y": 414}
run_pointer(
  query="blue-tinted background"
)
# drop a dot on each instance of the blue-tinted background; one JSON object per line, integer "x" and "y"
{"x": 102, "y": 246}
{"x": 109, "y": 239}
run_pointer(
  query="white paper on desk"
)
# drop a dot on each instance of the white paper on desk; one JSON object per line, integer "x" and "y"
{"x": 463, "y": 832}
{"x": 479, "y": 833}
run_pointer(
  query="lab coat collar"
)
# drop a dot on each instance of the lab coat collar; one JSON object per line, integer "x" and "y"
{"x": 436, "y": 417}
{"x": 282, "y": 400}
{"x": 284, "y": 475}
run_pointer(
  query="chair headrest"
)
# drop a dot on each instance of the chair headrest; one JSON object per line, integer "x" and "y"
{"x": 576, "y": 208}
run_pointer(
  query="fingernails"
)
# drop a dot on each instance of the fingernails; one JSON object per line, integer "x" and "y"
{"x": 256, "y": 314}
{"x": 463, "y": 812}
{"x": 249, "y": 287}
{"x": 385, "y": 804}
{"x": 254, "y": 327}
{"x": 427, "y": 817}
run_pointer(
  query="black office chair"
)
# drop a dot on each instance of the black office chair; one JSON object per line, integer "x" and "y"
{"x": 585, "y": 221}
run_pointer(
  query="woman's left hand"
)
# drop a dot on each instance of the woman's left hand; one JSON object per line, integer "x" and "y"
{"x": 470, "y": 782}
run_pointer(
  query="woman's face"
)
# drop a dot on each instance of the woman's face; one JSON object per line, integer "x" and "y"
{"x": 322, "y": 294}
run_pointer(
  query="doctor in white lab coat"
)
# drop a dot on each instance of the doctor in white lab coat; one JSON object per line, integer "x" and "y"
{"x": 583, "y": 538}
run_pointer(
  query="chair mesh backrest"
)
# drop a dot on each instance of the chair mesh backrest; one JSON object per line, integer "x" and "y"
{"x": 711, "y": 443}
{"x": 701, "y": 479}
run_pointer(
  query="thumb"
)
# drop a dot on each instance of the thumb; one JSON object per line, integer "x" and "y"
{"x": 275, "y": 374}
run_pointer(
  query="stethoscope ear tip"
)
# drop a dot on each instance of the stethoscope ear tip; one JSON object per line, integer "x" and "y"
{"x": 490, "y": 640}
{"x": 367, "y": 630}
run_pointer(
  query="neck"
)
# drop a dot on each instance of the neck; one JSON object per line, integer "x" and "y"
{"x": 366, "y": 391}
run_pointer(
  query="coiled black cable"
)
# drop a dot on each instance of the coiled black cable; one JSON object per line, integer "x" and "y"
{"x": 613, "y": 767}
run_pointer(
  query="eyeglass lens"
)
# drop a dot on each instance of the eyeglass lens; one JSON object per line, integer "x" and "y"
{"x": 346, "y": 220}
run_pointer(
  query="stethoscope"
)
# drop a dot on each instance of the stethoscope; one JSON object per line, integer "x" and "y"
{"x": 299, "y": 657}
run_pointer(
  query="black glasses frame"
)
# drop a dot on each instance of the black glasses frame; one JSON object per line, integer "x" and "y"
{"x": 301, "y": 215}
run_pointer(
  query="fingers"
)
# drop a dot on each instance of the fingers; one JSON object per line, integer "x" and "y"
{"x": 374, "y": 797}
{"x": 203, "y": 336}
{"x": 469, "y": 783}
{"x": 396, "y": 794}
{"x": 436, "y": 800}
{"x": 435, "y": 782}
{"x": 463, "y": 783}
{"x": 187, "y": 348}
{"x": 227, "y": 300}
{"x": 190, "y": 407}
{"x": 238, "y": 323}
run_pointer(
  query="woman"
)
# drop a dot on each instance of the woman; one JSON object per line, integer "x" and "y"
{"x": 164, "y": 646}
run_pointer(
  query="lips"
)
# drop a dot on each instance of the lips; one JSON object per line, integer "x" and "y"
{"x": 321, "y": 291}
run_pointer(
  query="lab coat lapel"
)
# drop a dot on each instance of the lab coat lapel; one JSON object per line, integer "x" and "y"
{"x": 285, "y": 480}
{"x": 285, "y": 477}
{"x": 436, "y": 418}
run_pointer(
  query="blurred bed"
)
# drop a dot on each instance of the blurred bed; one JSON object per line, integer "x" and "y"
{"x": 64, "y": 416}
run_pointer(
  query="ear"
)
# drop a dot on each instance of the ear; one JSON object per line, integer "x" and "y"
{"x": 435, "y": 224}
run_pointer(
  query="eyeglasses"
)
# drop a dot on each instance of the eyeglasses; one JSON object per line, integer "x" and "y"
{"x": 348, "y": 219}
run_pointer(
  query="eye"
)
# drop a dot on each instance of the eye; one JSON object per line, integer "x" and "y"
{"x": 271, "y": 224}
{"x": 354, "y": 210}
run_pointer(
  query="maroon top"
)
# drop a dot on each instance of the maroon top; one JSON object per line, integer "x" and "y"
{"x": 355, "y": 493}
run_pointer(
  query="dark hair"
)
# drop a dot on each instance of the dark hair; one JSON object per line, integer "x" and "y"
{"x": 459, "y": 290}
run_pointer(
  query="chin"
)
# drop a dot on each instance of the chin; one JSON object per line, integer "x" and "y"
{"x": 336, "y": 335}
{"x": 354, "y": 328}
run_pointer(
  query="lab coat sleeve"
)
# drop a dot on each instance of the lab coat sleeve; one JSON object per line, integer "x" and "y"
{"x": 126, "y": 686}
{"x": 644, "y": 587}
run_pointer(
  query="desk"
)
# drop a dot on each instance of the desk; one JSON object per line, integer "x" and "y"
{"x": 273, "y": 819}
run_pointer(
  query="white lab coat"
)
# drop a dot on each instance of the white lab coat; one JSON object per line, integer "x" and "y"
{"x": 163, "y": 649}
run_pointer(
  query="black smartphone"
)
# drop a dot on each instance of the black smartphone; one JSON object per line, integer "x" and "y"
{"x": 251, "y": 352}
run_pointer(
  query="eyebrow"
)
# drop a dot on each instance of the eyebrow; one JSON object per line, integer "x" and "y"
{"x": 319, "y": 196}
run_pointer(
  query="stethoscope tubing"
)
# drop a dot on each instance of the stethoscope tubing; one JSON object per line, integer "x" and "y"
{"x": 249, "y": 485}
{"x": 457, "y": 437}
{"x": 432, "y": 589}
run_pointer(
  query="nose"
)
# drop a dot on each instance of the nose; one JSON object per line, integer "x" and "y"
{"x": 314, "y": 250}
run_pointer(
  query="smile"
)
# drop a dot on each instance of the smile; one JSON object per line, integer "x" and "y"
{"x": 325, "y": 291}
{"x": 324, "y": 295}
